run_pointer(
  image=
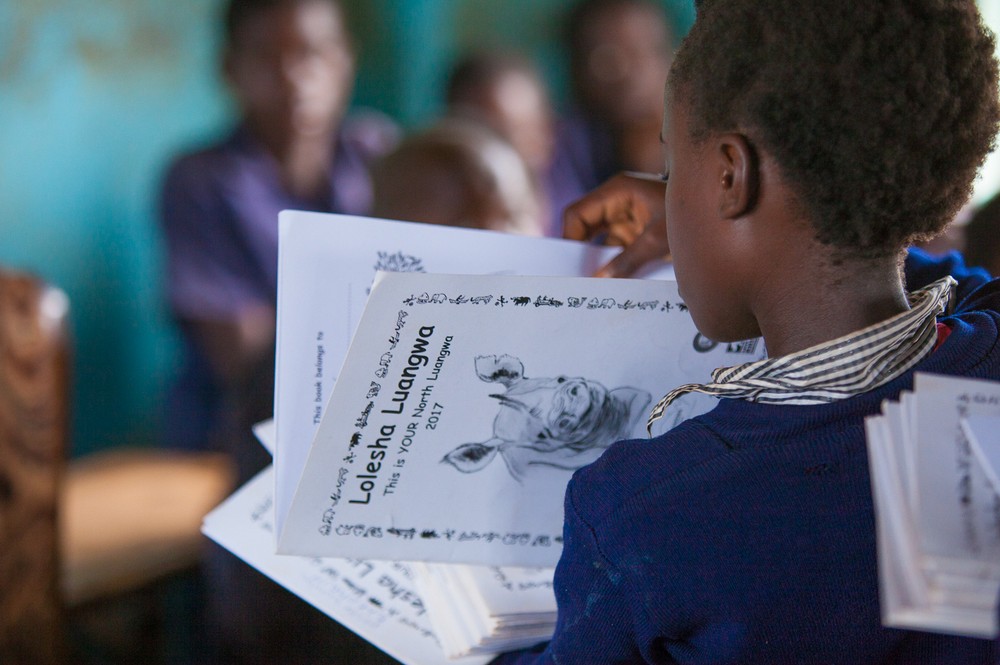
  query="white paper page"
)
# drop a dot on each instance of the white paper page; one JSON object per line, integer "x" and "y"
{"x": 266, "y": 434}
{"x": 972, "y": 582}
{"x": 902, "y": 585}
{"x": 476, "y": 615}
{"x": 954, "y": 529}
{"x": 461, "y": 619}
{"x": 477, "y": 626}
{"x": 326, "y": 265}
{"x": 510, "y": 591}
{"x": 908, "y": 446}
{"x": 904, "y": 598}
{"x": 894, "y": 419}
{"x": 427, "y": 451}
{"x": 935, "y": 593}
{"x": 984, "y": 437}
{"x": 376, "y": 600}
{"x": 449, "y": 612}
{"x": 505, "y": 632}
{"x": 944, "y": 619}
{"x": 899, "y": 459}
{"x": 454, "y": 596}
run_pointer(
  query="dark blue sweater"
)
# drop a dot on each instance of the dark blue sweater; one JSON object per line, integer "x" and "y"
{"x": 747, "y": 535}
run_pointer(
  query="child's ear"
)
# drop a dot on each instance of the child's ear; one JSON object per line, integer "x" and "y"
{"x": 740, "y": 176}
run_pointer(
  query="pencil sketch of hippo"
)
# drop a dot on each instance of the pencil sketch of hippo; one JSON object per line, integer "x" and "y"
{"x": 559, "y": 422}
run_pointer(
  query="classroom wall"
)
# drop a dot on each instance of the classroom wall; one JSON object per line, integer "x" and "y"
{"x": 96, "y": 95}
{"x": 93, "y": 96}
{"x": 406, "y": 46}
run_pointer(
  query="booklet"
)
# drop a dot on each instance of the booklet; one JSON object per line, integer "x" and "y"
{"x": 481, "y": 610}
{"x": 469, "y": 609}
{"x": 937, "y": 506}
{"x": 983, "y": 433}
{"x": 378, "y": 600}
{"x": 326, "y": 265}
{"x": 467, "y": 401}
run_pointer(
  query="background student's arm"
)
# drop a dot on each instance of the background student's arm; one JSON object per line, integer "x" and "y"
{"x": 628, "y": 212}
{"x": 212, "y": 287}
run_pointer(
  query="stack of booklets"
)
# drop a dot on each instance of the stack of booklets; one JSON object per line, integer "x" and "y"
{"x": 487, "y": 610}
{"x": 435, "y": 390}
{"x": 933, "y": 458}
{"x": 983, "y": 433}
{"x": 378, "y": 600}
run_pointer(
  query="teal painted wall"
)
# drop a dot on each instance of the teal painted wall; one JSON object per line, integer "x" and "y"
{"x": 406, "y": 46}
{"x": 95, "y": 97}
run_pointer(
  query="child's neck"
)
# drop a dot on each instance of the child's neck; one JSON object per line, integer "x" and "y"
{"x": 826, "y": 301}
{"x": 302, "y": 158}
{"x": 305, "y": 168}
{"x": 303, "y": 164}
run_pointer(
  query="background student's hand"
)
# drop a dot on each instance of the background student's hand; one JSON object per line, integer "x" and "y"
{"x": 630, "y": 212}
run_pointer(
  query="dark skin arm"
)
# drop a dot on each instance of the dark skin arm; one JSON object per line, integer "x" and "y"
{"x": 630, "y": 212}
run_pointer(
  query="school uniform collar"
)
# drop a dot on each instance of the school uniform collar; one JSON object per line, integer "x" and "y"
{"x": 833, "y": 370}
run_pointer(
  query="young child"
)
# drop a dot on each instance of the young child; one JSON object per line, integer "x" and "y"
{"x": 619, "y": 53}
{"x": 290, "y": 67}
{"x": 806, "y": 144}
{"x": 505, "y": 91}
{"x": 458, "y": 172}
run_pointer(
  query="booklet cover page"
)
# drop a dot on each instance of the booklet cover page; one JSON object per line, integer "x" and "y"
{"x": 466, "y": 403}
{"x": 326, "y": 267}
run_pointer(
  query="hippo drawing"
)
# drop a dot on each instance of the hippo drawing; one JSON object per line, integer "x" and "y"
{"x": 562, "y": 422}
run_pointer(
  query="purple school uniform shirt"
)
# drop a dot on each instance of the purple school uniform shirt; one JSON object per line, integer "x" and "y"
{"x": 219, "y": 216}
{"x": 584, "y": 157}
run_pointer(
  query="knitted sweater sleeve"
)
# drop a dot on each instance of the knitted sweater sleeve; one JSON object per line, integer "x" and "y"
{"x": 595, "y": 618}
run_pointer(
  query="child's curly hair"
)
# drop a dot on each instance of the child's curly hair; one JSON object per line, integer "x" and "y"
{"x": 879, "y": 113}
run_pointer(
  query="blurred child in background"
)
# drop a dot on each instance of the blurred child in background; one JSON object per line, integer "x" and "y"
{"x": 505, "y": 91}
{"x": 620, "y": 53}
{"x": 458, "y": 172}
{"x": 290, "y": 67}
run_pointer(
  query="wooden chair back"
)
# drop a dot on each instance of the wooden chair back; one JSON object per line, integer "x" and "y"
{"x": 34, "y": 414}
